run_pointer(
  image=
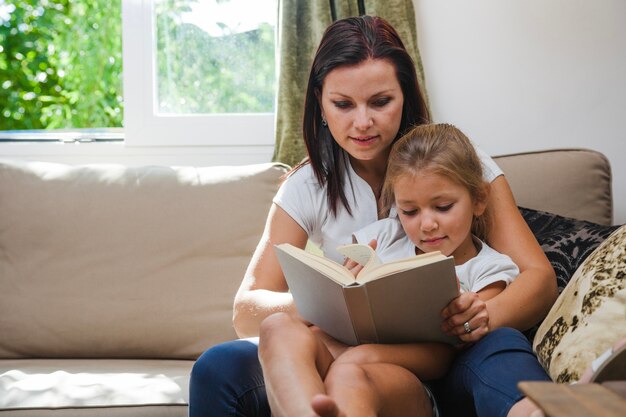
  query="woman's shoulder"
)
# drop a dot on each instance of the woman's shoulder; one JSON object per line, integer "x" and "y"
{"x": 302, "y": 174}
{"x": 300, "y": 194}
{"x": 491, "y": 170}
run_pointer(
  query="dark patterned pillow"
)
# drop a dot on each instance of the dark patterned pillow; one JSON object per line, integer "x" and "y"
{"x": 566, "y": 242}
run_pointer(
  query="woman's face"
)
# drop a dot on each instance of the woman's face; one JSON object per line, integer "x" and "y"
{"x": 363, "y": 107}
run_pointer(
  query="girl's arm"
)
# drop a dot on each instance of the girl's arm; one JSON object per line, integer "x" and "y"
{"x": 529, "y": 297}
{"x": 263, "y": 290}
{"x": 491, "y": 290}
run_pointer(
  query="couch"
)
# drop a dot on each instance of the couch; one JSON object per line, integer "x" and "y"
{"x": 114, "y": 279}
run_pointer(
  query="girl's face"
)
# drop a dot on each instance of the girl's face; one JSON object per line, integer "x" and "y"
{"x": 363, "y": 107}
{"x": 437, "y": 214}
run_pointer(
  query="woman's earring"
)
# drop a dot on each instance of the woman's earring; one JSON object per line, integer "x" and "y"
{"x": 324, "y": 122}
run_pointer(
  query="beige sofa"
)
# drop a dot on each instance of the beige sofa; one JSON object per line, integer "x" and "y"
{"x": 113, "y": 279}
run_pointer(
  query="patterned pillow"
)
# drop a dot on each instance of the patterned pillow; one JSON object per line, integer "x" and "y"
{"x": 589, "y": 315}
{"x": 566, "y": 242}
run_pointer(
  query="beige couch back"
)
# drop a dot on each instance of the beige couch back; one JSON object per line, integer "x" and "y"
{"x": 569, "y": 182}
{"x": 108, "y": 261}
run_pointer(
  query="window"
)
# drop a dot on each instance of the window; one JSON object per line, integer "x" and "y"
{"x": 203, "y": 74}
{"x": 195, "y": 72}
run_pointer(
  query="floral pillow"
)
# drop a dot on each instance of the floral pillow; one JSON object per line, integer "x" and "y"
{"x": 566, "y": 242}
{"x": 590, "y": 314}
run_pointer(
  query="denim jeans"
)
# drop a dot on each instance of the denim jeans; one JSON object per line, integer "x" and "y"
{"x": 483, "y": 379}
{"x": 227, "y": 379}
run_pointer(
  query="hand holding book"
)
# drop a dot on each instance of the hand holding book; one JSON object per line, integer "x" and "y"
{"x": 353, "y": 265}
{"x": 395, "y": 302}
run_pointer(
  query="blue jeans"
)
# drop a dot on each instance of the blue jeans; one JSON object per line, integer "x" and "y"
{"x": 483, "y": 379}
{"x": 227, "y": 379}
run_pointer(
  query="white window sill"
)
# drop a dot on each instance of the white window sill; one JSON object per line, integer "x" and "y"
{"x": 119, "y": 153}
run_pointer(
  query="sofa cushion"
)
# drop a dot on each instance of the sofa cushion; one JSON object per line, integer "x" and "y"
{"x": 107, "y": 261}
{"x": 566, "y": 241}
{"x": 589, "y": 315}
{"x": 82, "y": 386}
{"x": 569, "y": 182}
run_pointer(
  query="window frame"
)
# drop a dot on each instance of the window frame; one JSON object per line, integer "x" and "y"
{"x": 144, "y": 126}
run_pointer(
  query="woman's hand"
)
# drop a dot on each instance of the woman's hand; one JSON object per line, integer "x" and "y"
{"x": 466, "y": 308}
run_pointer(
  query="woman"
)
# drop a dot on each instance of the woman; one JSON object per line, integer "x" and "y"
{"x": 361, "y": 96}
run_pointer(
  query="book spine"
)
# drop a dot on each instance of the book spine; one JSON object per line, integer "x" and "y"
{"x": 360, "y": 313}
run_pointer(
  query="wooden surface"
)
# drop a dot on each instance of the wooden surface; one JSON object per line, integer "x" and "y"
{"x": 618, "y": 387}
{"x": 577, "y": 400}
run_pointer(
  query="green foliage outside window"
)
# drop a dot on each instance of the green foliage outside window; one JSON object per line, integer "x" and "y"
{"x": 200, "y": 73}
{"x": 60, "y": 64}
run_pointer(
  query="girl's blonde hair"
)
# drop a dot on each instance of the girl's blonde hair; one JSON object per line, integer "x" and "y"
{"x": 441, "y": 149}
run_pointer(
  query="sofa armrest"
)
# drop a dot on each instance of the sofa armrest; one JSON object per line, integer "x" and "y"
{"x": 569, "y": 182}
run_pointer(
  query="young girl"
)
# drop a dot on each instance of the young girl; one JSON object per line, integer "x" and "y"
{"x": 435, "y": 180}
{"x": 436, "y": 199}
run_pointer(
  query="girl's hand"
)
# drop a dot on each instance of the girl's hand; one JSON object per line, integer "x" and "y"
{"x": 466, "y": 308}
{"x": 354, "y": 267}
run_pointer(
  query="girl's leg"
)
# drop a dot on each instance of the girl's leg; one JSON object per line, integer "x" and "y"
{"x": 227, "y": 380}
{"x": 374, "y": 389}
{"x": 483, "y": 379}
{"x": 294, "y": 362}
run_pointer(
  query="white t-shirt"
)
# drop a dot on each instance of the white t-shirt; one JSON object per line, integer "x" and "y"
{"x": 302, "y": 197}
{"x": 487, "y": 267}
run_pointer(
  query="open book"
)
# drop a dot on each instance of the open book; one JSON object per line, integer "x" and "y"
{"x": 395, "y": 302}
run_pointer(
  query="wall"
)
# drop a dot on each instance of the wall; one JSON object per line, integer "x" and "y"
{"x": 516, "y": 75}
{"x": 521, "y": 75}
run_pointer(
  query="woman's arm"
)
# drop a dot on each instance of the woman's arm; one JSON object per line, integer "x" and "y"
{"x": 263, "y": 290}
{"x": 530, "y": 296}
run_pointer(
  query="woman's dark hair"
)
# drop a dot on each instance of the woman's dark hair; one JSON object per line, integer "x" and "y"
{"x": 352, "y": 41}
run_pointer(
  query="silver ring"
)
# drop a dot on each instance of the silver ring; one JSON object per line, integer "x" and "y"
{"x": 467, "y": 327}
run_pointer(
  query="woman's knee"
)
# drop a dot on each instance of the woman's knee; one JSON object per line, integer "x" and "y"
{"x": 490, "y": 370}
{"x": 226, "y": 362}
{"x": 503, "y": 341}
{"x": 501, "y": 352}
{"x": 228, "y": 377}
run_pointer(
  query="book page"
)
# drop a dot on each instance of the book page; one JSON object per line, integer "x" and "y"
{"x": 384, "y": 269}
{"x": 360, "y": 253}
{"x": 325, "y": 266}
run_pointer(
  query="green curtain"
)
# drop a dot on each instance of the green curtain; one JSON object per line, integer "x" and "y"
{"x": 301, "y": 24}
